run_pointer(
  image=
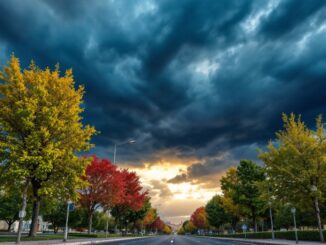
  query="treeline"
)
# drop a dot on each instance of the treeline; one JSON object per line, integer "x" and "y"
{"x": 290, "y": 182}
{"x": 110, "y": 198}
{"x": 42, "y": 139}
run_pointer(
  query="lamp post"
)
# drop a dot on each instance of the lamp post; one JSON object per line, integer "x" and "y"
{"x": 67, "y": 219}
{"x": 270, "y": 208}
{"x": 293, "y": 210}
{"x": 271, "y": 218}
{"x": 131, "y": 141}
{"x": 116, "y": 145}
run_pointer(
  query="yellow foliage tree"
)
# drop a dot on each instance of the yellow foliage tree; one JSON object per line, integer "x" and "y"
{"x": 296, "y": 164}
{"x": 167, "y": 229}
{"x": 41, "y": 132}
{"x": 150, "y": 217}
{"x": 189, "y": 227}
{"x": 227, "y": 182}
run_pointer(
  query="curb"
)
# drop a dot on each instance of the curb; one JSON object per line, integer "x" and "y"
{"x": 257, "y": 242}
{"x": 243, "y": 241}
{"x": 72, "y": 242}
{"x": 101, "y": 241}
{"x": 250, "y": 242}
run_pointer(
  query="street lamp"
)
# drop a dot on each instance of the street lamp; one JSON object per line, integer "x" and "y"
{"x": 293, "y": 210}
{"x": 116, "y": 145}
{"x": 271, "y": 218}
{"x": 67, "y": 219}
{"x": 270, "y": 208}
{"x": 131, "y": 141}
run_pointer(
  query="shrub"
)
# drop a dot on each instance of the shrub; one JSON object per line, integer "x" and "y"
{"x": 312, "y": 235}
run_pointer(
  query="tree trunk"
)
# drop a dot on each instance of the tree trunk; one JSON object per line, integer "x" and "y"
{"x": 320, "y": 228}
{"x": 35, "y": 214}
{"x": 254, "y": 219}
{"x": 90, "y": 222}
{"x": 21, "y": 219}
{"x": 36, "y": 207}
{"x": 9, "y": 225}
{"x": 234, "y": 224}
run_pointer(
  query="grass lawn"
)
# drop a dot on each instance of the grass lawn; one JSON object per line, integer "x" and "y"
{"x": 71, "y": 236}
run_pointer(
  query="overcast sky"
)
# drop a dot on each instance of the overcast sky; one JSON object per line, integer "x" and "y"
{"x": 198, "y": 84}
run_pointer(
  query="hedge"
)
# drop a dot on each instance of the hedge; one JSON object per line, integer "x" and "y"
{"x": 312, "y": 235}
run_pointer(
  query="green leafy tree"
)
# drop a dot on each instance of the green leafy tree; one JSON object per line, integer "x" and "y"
{"x": 296, "y": 165}
{"x": 247, "y": 193}
{"x": 216, "y": 214}
{"x": 189, "y": 227}
{"x": 54, "y": 212}
{"x": 229, "y": 182}
{"x": 41, "y": 132}
{"x": 78, "y": 219}
{"x": 99, "y": 220}
{"x": 137, "y": 217}
{"x": 9, "y": 208}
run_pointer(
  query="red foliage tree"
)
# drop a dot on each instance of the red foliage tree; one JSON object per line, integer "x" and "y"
{"x": 105, "y": 187}
{"x": 158, "y": 224}
{"x": 199, "y": 218}
{"x": 133, "y": 195}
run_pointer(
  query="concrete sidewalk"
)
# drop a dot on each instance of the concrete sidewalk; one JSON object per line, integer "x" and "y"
{"x": 267, "y": 241}
{"x": 76, "y": 241}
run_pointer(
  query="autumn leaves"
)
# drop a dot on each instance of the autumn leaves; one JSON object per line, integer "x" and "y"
{"x": 42, "y": 137}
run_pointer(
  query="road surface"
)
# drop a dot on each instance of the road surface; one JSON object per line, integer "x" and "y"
{"x": 176, "y": 240}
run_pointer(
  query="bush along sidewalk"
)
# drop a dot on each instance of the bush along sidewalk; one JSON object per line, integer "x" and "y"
{"x": 312, "y": 235}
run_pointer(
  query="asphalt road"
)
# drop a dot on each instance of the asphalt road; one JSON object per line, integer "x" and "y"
{"x": 176, "y": 240}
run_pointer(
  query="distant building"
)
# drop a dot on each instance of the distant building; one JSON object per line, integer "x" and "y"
{"x": 42, "y": 225}
{"x": 3, "y": 225}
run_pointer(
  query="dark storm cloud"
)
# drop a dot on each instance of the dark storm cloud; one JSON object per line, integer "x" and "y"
{"x": 208, "y": 172}
{"x": 160, "y": 189}
{"x": 192, "y": 78}
{"x": 289, "y": 15}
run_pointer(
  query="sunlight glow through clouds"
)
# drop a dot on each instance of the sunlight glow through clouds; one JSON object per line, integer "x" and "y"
{"x": 164, "y": 171}
{"x": 164, "y": 194}
{"x": 185, "y": 191}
